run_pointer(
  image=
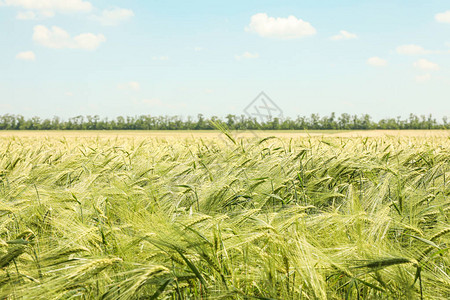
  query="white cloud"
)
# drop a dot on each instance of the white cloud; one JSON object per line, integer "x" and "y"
{"x": 88, "y": 41}
{"x": 68, "y": 94}
{"x": 246, "y": 55}
{"x": 26, "y": 55}
{"x": 114, "y": 16}
{"x": 343, "y": 35}
{"x": 58, "y": 38}
{"x": 282, "y": 28}
{"x": 377, "y": 61}
{"x": 198, "y": 49}
{"x": 132, "y": 85}
{"x": 160, "y": 58}
{"x": 426, "y": 65}
{"x": 423, "y": 78}
{"x": 412, "y": 50}
{"x": 26, "y": 15}
{"x": 48, "y": 8}
{"x": 443, "y": 17}
{"x": 418, "y": 50}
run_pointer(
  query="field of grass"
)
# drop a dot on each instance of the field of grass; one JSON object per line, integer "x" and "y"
{"x": 142, "y": 217}
{"x": 214, "y": 134}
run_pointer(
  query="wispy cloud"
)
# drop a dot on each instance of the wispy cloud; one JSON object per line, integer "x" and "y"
{"x": 26, "y": 15}
{"x": 160, "y": 58}
{"x": 423, "y": 78}
{"x": 132, "y": 85}
{"x": 426, "y": 65}
{"x": 343, "y": 35}
{"x": 246, "y": 55}
{"x": 26, "y": 55}
{"x": 412, "y": 50}
{"x": 48, "y": 8}
{"x": 377, "y": 61}
{"x": 443, "y": 17}
{"x": 58, "y": 38}
{"x": 114, "y": 16}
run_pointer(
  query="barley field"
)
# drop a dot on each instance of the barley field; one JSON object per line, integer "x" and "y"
{"x": 192, "y": 217}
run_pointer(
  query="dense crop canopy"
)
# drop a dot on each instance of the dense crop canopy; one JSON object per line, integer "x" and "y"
{"x": 307, "y": 218}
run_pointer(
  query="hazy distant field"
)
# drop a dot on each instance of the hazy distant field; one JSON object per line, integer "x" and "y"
{"x": 238, "y": 134}
{"x": 184, "y": 215}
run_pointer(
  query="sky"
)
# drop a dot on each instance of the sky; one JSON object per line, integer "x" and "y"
{"x": 386, "y": 58}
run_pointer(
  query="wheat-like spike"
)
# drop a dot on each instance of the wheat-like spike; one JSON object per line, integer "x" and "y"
{"x": 198, "y": 220}
{"x": 93, "y": 268}
{"x": 150, "y": 273}
{"x": 10, "y": 255}
{"x": 440, "y": 233}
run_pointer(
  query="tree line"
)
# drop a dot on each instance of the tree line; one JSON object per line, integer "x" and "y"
{"x": 233, "y": 122}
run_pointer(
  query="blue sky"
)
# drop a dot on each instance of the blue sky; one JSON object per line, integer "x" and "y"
{"x": 72, "y": 57}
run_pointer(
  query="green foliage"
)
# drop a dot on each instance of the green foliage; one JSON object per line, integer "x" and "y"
{"x": 233, "y": 122}
{"x": 307, "y": 218}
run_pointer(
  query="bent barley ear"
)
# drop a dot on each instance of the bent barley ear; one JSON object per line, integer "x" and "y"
{"x": 384, "y": 263}
{"x": 440, "y": 233}
{"x": 12, "y": 254}
{"x": 26, "y": 235}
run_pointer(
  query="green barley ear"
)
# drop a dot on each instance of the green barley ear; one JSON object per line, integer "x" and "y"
{"x": 26, "y": 235}
{"x": 93, "y": 268}
{"x": 12, "y": 254}
{"x": 384, "y": 263}
{"x": 440, "y": 233}
{"x": 223, "y": 128}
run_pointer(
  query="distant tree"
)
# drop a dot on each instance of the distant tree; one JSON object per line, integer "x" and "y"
{"x": 147, "y": 122}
